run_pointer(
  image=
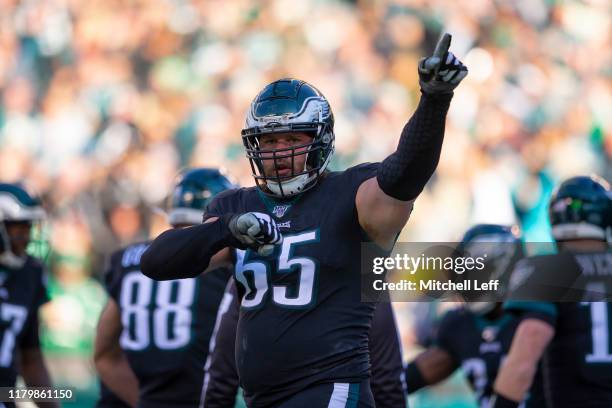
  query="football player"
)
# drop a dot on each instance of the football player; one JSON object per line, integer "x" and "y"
{"x": 295, "y": 238}
{"x": 572, "y": 339}
{"x": 387, "y": 382}
{"x": 152, "y": 338}
{"x": 485, "y": 331}
{"x": 22, "y": 292}
{"x": 109, "y": 399}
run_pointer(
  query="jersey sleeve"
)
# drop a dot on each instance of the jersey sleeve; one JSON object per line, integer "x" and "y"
{"x": 222, "y": 385}
{"x": 447, "y": 333}
{"x": 545, "y": 311}
{"x": 387, "y": 382}
{"x": 525, "y": 299}
{"x": 360, "y": 173}
{"x": 29, "y": 336}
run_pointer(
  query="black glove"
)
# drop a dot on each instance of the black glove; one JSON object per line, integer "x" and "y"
{"x": 441, "y": 72}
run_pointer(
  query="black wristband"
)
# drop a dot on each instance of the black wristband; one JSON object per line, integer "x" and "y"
{"x": 499, "y": 401}
{"x": 414, "y": 378}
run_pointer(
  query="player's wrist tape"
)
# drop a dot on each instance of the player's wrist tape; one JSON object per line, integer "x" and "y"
{"x": 414, "y": 378}
{"x": 404, "y": 173}
{"x": 499, "y": 401}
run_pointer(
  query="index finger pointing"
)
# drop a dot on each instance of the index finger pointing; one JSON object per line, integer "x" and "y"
{"x": 442, "y": 46}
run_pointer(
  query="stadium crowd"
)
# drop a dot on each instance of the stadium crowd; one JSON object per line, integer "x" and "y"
{"x": 103, "y": 102}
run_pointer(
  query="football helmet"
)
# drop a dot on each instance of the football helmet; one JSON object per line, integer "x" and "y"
{"x": 16, "y": 206}
{"x": 581, "y": 208}
{"x": 194, "y": 190}
{"x": 286, "y": 106}
{"x": 501, "y": 247}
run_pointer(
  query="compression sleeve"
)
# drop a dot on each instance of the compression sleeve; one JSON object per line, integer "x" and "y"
{"x": 405, "y": 172}
{"x": 186, "y": 253}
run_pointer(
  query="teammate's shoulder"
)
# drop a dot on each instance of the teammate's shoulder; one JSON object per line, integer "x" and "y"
{"x": 542, "y": 264}
{"x": 546, "y": 258}
{"x": 455, "y": 317}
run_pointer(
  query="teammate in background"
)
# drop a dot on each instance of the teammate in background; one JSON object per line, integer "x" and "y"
{"x": 152, "y": 338}
{"x": 572, "y": 339}
{"x": 388, "y": 384}
{"x": 22, "y": 292}
{"x": 302, "y": 336}
{"x": 109, "y": 399}
{"x": 477, "y": 336}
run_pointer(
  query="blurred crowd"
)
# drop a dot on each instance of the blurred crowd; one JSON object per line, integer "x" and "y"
{"x": 103, "y": 102}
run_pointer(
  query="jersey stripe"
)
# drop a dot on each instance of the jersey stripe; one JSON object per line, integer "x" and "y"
{"x": 339, "y": 396}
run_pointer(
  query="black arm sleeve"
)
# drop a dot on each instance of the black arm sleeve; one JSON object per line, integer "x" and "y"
{"x": 186, "y": 253}
{"x": 29, "y": 337}
{"x": 386, "y": 356}
{"x": 404, "y": 173}
{"x": 222, "y": 384}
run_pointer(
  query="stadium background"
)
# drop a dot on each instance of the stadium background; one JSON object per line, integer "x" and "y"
{"x": 104, "y": 101}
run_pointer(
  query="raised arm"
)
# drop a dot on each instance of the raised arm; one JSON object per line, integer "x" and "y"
{"x": 384, "y": 202}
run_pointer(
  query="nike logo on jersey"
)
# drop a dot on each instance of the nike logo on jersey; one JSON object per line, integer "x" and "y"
{"x": 286, "y": 224}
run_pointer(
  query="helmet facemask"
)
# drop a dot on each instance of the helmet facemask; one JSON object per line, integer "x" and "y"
{"x": 286, "y": 114}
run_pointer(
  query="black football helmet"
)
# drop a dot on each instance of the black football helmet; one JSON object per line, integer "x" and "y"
{"x": 285, "y": 106}
{"x": 16, "y": 206}
{"x": 194, "y": 190}
{"x": 581, "y": 208}
{"x": 501, "y": 247}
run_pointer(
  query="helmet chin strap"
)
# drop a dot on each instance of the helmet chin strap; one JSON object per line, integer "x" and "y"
{"x": 289, "y": 187}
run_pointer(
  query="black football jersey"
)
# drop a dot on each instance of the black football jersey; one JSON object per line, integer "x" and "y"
{"x": 577, "y": 365}
{"x": 387, "y": 382}
{"x": 478, "y": 345}
{"x": 108, "y": 399}
{"x": 167, "y": 327}
{"x": 301, "y": 319}
{"x": 22, "y": 292}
